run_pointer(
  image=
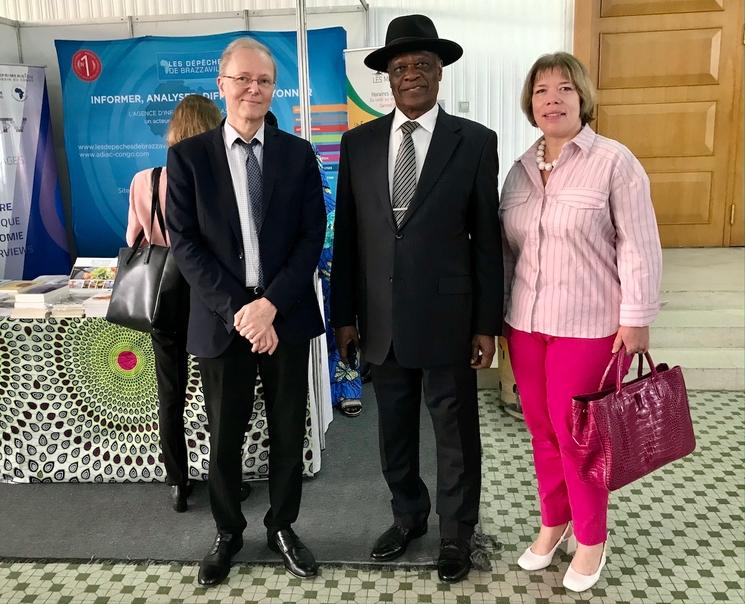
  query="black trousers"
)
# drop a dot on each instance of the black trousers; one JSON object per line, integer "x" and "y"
{"x": 172, "y": 373}
{"x": 451, "y": 398}
{"x": 228, "y": 382}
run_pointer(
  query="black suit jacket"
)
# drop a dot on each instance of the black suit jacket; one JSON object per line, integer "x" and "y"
{"x": 430, "y": 285}
{"x": 205, "y": 232}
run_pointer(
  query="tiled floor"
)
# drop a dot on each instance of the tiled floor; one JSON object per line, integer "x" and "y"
{"x": 677, "y": 536}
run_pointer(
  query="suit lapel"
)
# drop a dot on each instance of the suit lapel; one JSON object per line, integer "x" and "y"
{"x": 270, "y": 161}
{"x": 378, "y": 174}
{"x": 445, "y": 139}
{"x": 225, "y": 192}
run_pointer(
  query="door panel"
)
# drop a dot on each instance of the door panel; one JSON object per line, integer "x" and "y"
{"x": 618, "y": 8}
{"x": 686, "y": 57}
{"x": 668, "y": 74}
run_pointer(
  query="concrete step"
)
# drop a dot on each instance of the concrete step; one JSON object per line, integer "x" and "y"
{"x": 706, "y": 337}
{"x": 706, "y": 368}
{"x": 733, "y": 318}
{"x": 709, "y": 300}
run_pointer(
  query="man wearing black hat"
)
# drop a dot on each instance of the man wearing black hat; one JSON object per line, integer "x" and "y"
{"x": 418, "y": 271}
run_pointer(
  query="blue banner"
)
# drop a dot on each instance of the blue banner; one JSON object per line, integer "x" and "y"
{"x": 33, "y": 240}
{"x": 118, "y": 96}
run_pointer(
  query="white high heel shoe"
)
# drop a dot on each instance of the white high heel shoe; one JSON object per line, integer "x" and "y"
{"x": 532, "y": 561}
{"x": 578, "y": 582}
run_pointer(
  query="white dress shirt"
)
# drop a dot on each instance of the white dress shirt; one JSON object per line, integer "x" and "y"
{"x": 237, "y": 161}
{"x": 421, "y": 138}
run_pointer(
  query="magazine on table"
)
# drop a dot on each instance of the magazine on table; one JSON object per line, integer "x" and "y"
{"x": 92, "y": 274}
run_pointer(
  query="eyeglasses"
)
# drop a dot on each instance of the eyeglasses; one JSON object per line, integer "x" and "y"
{"x": 244, "y": 81}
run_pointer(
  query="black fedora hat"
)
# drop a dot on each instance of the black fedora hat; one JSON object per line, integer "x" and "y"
{"x": 411, "y": 33}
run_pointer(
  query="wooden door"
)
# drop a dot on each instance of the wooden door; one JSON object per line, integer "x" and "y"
{"x": 669, "y": 78}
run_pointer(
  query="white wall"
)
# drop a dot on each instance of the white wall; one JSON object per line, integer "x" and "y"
{"x": 8, "y": 42}
{"x": 501, "y": 39}
{"x": 69, "y": 10}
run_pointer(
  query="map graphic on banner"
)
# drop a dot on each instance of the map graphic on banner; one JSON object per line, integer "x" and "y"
{"x": 118, "y": 96}
{"x": 33, "y": 240}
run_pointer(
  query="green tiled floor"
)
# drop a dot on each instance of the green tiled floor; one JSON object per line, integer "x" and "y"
{"x": 677, "y": 536}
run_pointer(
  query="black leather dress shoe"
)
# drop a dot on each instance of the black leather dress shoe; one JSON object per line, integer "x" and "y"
{"x": 298, "y": 559}
{"x": 245, "y": 490}
{"x": 454, "y": 561}
{"x": 215, "y": 566}
{"x": 393, "y": 542}
{"x": 179, "y": 493}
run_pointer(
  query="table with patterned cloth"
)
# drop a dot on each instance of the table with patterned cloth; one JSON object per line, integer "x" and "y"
{"x": 78, "y": 403}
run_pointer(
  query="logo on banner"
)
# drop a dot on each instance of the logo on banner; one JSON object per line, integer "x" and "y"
{"x": 19, "y": 94}
{"x": 86, "y": 65}
{"x": 188, "y": 66}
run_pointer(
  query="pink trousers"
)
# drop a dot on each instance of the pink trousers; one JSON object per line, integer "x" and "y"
{"x": 549, "y": 371}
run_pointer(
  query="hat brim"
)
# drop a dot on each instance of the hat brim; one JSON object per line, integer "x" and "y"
{"x": 447, "y": 50}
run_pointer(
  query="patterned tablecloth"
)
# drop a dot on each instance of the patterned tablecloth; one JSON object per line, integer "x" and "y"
{"x": 78, "y": 403}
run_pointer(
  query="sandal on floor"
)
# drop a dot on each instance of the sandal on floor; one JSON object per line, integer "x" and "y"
{"x": 350, "y": 407}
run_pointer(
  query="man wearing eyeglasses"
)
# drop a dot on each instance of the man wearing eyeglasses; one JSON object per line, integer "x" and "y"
{"x": 246, "y": 219}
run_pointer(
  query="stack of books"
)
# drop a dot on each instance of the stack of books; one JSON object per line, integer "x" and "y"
{"x": 33, "y": 302}
{"x": 10, "y": 287}
{"x": 6, "y": 303}
{"x": 97, "y": 305}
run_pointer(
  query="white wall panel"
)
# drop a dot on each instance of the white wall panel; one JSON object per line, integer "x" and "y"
{"x": 188, "y": 25}
{"x": 8, "y": 43}
{"x": 73, "y": 10}
{"x": 353, "y": 21}
{"x": 501, "y": 39}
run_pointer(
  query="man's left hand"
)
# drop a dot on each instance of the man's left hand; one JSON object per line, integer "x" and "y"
{"x": 482, "y": 351}
{"x": 255, "y": 319}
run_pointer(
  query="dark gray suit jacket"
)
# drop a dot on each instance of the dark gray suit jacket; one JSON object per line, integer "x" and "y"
{"x": 430, "y": 285}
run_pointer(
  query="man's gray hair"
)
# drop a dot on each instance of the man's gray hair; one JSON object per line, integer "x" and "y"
{"x": 249, "y": 44}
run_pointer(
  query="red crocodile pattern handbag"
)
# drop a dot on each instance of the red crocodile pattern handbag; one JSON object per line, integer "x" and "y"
{"x": 625, "y": 432}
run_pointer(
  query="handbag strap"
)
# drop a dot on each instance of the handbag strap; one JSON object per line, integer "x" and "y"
{"x": 135, "y": 246}
{"x": 618, "y": 358}
{"x": 155, "y": 206}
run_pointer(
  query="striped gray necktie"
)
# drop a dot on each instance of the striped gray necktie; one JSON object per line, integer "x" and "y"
{"x": 404, "y": 173}
{"x": 255, "y": 191}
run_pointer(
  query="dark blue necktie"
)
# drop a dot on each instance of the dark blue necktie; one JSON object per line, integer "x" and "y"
{"x": 255, "y": 191}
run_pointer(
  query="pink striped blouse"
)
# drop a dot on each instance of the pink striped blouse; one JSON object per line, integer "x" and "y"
{"x": 581, "y": 256}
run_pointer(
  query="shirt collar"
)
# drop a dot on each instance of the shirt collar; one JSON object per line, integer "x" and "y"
{"x": 231, "y": 135}
{"x": 584, "y": 139}
{"x": 426, "y": 120}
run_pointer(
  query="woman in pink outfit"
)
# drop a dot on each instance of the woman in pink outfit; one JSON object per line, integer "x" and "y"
{"x": 193, "y": 115}
{"x": 582, "y": 274}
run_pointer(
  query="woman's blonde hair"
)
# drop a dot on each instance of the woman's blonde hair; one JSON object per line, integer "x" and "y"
{"x": 573, "y": 69}
{"x": 193, "y": 115}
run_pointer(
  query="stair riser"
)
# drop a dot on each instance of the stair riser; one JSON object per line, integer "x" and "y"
{"x": 714, "y": 379}
{"x": 703, "y": 337}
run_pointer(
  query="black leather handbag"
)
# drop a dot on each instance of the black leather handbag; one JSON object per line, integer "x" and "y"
{"x": 149, "y": 290}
